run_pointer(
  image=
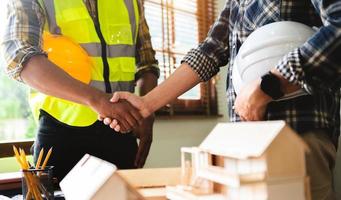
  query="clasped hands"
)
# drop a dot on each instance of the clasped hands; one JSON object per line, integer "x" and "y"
{"x": 126, "y": 112}
{"x": 123, "y": 111}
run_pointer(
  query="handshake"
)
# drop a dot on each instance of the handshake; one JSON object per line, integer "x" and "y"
{"x": 122, "y": 111}
{"x": 125, "y": 112}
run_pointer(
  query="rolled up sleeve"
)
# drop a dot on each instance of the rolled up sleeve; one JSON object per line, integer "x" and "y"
{"x": 213, "y": 53}
{"x": 145, "y": 54}
{"x": 21, "y": 37}
{"x": 316, "y": 65}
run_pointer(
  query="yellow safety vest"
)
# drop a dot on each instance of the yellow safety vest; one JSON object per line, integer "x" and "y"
{"x": 111, "y": 46}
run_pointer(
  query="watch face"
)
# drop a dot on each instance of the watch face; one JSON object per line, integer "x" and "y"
{"x": 271, "y": 86}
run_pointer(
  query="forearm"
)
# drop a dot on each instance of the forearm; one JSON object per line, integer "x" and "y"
{"x": 146, "y": 83}
{"x": 46, "y": 77}
{"x": 183, "y": 79}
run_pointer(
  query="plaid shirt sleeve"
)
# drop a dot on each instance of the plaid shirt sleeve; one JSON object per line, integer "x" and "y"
{"x": 213, "y": 53}
{"x": 317, "y": 64}
{"x": 145, "y": 55}
{"x": 21, "y": 37}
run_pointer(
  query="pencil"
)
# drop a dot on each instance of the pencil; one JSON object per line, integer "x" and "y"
{"x": 39, "y": 158}
{"x": 23, "y": 158}
{"x": 46, "y": 158}
{"x": 16, "y": 154}
{"x": 32, "y": 185}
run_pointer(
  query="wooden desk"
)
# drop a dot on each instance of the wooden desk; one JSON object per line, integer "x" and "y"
{"x": 10, "y": 181}
{"x": 149, "y": 182}
{"x": 158, "y": 193}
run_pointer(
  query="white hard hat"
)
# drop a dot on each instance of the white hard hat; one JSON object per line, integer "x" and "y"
{"x": 264, "y": 48}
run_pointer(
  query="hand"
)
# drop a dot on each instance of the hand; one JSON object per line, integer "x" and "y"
{"x": 145, "y": 133}
{"x": 136, "y": 101}
{"x": 251, "y": 102}
{"x": 128, "y": 116}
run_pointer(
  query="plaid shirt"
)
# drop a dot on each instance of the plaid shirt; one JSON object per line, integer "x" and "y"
{"x": 315, "y": 65}
{"x": 22, "y": 37}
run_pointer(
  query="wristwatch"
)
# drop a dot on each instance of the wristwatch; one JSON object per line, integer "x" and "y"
{"x": 271, "y": 86}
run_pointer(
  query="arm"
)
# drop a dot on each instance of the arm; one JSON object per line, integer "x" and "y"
{"x": 147, "y": 66}
{"x": 44, "y": 76}
{"x": 316, "y": 64}
{"x": 183, "y": 79}
{"x": 146, "y": 76}
{"x": 199, "y": 64}
{"x": 41, "y": 74}
{"x": 25, "y": 61}
{"x": 145, "y": 131}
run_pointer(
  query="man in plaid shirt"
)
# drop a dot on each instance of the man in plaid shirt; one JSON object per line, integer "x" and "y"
{"x": 314, "y": 66}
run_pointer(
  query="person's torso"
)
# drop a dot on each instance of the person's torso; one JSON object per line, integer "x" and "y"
{"x": 107, "y": 30}
{"x": 303, "y": 113}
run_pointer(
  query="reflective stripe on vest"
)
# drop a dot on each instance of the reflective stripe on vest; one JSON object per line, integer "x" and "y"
{"x": 113, "y": 51}
{"x": 118, "y": 21}
{"x": 116, "y": 86}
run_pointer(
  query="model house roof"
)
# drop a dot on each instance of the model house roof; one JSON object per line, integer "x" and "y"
{"x": 96, "y": 179}
{"x": 242, "y": 140}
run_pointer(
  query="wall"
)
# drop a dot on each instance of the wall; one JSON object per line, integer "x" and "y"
{"x": 171, "y": 134}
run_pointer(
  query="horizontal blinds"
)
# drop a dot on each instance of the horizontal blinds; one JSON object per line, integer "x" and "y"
{"x": 176, "y": 26}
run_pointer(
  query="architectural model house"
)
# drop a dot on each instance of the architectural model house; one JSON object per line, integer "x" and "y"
{"x": 246, "y": 161}
{"x": 95, "y": 179}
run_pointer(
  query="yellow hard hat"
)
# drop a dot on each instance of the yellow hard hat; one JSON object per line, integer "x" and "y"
{"x": 68, "y": 55}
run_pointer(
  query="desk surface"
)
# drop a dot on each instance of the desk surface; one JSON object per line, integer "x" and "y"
{"x": 10, "y": 181}
{"x": 10, "y": 186}
{"x": 149, "y": 182}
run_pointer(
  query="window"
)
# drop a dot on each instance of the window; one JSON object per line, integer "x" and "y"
{"x": 16, "y": 121}
{"x": 176, "y": 26}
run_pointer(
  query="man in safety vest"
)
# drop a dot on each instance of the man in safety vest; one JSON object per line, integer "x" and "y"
{"x": 116, "y": 39}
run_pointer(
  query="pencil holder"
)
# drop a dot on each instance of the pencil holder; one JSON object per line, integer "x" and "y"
{"x": 38, "y": 184}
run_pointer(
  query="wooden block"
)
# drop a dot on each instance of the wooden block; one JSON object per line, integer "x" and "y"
{"x": 179, "y": 193}
{"x": 158, "y": 193}
{"x": 149, "y": 178}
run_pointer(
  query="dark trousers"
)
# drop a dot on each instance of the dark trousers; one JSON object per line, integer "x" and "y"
{"x": 71, "y": 143}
